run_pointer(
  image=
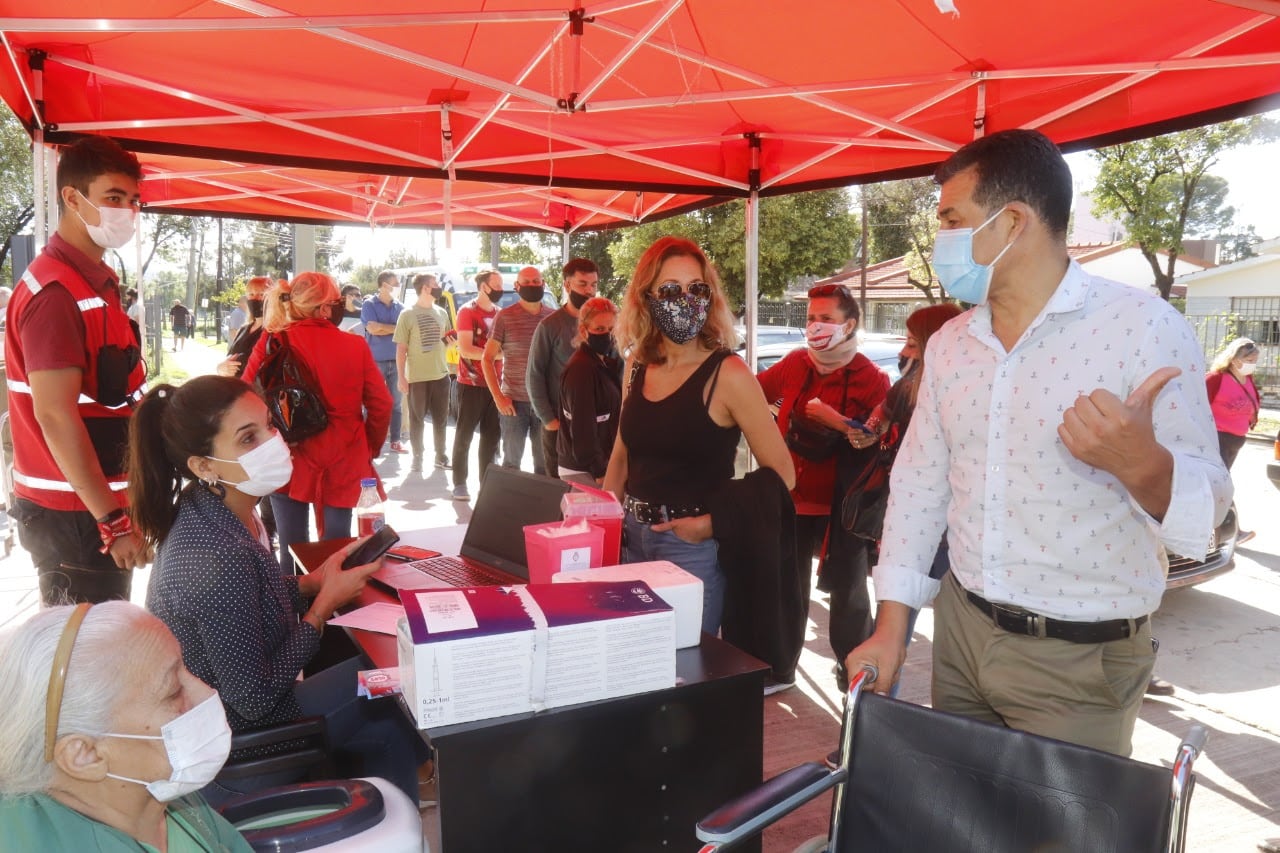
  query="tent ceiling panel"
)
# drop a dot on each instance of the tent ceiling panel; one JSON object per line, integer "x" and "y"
{"x": 497, "y": 114}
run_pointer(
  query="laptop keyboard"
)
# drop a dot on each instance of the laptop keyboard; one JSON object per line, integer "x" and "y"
{"x": 459, "y": 573}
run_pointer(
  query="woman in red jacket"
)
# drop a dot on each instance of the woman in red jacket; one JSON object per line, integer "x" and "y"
{"x": 821, "y": 387}
{"x": 328, "y": 467}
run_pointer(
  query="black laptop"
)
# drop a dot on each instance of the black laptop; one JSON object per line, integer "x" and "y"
{"x": 493, "y": 547}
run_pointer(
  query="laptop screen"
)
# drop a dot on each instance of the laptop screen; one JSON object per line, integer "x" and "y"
{"x": 508, "y": 500}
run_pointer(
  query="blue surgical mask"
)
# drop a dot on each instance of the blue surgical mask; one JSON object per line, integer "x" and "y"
{"x": 962, "y": 277}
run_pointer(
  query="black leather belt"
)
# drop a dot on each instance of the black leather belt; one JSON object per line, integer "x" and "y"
{"x": 647, "y": 513}
{"x": 1015, "y": 620}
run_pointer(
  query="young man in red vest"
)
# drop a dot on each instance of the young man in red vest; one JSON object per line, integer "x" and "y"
{"x": 74, "y": 373}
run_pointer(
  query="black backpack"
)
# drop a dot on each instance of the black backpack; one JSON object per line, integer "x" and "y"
{"x": 291, "y": 392}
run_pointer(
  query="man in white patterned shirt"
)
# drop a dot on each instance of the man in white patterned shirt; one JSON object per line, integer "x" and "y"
{"x": 1061, "y": 437}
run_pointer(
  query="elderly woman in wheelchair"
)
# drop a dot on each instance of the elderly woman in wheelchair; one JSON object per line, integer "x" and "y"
{"x": 101, "y": 750}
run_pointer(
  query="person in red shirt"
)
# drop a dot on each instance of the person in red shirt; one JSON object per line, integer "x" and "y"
{"x": 476, "y": 407}
{"x": 328, "y": 466}
{"x": 74, "y": 372}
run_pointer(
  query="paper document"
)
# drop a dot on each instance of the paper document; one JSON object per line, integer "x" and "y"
{"x": 380, "y": 618}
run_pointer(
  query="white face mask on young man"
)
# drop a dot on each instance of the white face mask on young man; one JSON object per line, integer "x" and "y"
{"x": 115, "y": 225}
{"x": 197, "y": 744}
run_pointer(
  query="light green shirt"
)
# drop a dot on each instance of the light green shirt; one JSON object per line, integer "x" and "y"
{"x": 39, "y": 822}
{"x": 420, "y": 329}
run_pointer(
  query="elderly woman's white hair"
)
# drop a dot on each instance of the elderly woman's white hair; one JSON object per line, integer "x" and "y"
{"x": 94, "y": 682}
{"x": 1238, "y": 348}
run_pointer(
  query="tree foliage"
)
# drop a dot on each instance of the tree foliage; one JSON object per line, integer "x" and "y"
{"x": 805, "y": 234}
{"x": 16, "y": 206}
{"x": 1161, "y": 189}
{"x": 902, "y": 222}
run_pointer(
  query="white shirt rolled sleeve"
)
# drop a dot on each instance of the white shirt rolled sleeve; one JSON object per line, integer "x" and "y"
{"x": 1027, "y": 523}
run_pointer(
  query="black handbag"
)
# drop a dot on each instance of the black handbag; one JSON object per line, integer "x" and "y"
{"x": 290, "y": 391}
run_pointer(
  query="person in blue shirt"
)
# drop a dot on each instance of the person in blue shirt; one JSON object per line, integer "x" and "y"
{"x": 380, "y": 313}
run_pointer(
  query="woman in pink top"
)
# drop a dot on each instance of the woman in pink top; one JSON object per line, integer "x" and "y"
{"x": 1234, "y": 400}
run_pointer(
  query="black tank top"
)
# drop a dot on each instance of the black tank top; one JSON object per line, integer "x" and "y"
{"x": 676, "y": 454}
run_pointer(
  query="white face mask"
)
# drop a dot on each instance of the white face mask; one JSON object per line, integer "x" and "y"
{"x": 267, "y": 467}
{"x": 197, "y": 743}
{"x": 1248, "y": 367}
{"x": 115, "y": 228}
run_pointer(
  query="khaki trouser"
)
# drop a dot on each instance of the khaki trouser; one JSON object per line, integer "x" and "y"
{"x": 1085, "y": 693}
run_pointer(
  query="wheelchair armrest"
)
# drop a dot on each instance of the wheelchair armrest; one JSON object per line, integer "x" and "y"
{"x": 303, "y": 728}
{"x": 748, "y": 814}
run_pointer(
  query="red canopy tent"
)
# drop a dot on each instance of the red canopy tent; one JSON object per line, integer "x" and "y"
{"x": 522, "y": 114}
{"x": 509, "y": 114}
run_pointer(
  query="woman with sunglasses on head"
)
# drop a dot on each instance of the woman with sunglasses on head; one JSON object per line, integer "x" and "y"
{"x": 327, "y": 467}
{"x": 1234, "y": 399}
{"x": 200, "y": 457}
{"x": 827, "y": 390}
{"x": 686, "y": 401}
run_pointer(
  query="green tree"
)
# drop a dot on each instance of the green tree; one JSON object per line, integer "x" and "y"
{"x": 1161, "y": 190}
{"x": 902, "y": 222}
{"x": 1238, "y": 245}
{"x": 16, "y": 181}
{"x": 804, "y": 234}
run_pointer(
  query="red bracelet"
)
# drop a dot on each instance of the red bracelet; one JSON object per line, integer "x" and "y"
{"x": 112, "y": 527}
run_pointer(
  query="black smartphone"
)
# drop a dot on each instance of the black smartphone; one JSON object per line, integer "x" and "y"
{"x": 372, "y": 548}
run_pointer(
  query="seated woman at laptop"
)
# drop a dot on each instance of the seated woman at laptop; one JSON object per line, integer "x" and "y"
{"x": 200, "y": 457}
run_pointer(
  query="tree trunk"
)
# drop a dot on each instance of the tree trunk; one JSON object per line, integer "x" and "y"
{"x": 1163, "y": 280}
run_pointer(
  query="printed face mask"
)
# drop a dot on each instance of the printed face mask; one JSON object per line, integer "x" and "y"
{"x": 680, "y": 319}
{"x": 267, "y": 467}
{"x": 115, "y": 225}
{"x": 962, "y": 277}
{"x": 197, "y": 744}
{"x": 831, "y": 345}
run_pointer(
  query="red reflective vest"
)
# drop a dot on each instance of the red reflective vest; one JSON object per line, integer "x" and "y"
{"x": 36, "y": 476}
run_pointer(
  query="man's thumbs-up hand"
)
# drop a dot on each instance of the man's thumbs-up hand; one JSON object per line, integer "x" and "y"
{"x": 1105, "y": 432}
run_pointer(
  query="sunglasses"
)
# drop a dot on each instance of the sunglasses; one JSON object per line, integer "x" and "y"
{"x": 823, "y": 290}
{"x": 671, "y": 290}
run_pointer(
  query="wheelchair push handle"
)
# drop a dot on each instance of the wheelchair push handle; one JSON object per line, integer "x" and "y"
{"x": 864, "y": 679}
{"x": 1195, "y": 740}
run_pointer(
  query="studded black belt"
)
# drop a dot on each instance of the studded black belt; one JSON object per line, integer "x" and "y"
{"x": 651, "y": 513}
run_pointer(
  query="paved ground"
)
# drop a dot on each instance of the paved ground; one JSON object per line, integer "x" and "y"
{"x": 1220, "y": 647}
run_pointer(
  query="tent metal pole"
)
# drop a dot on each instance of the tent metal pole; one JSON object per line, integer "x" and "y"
{"x": 751, "y": 297}
{"x": 39, "y": 191}
{"x": 564, "y": 245}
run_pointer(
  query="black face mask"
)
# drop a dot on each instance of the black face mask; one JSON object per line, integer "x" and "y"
{"x": 577, "y": 300}
{"x": 436, "y": 293}
{"x": 493, "y": 294}
{"x": 601, "y": 344}
{"x": 531, "y": 292}
{"x": 255, "y": 308}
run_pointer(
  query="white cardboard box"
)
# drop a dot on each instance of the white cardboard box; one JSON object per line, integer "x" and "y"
{"x": 673, "y": 585}
{"x": 471, "y": 654}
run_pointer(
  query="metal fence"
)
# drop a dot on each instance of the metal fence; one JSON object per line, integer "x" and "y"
{"x": 1259, "y": 322}
{"x": 889, "y": 317}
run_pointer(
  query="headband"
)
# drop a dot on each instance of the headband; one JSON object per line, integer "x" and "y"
{"x": 58, "y": 677}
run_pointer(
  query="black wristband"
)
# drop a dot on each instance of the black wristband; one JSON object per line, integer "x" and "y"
{"x": 115, "y": 514}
